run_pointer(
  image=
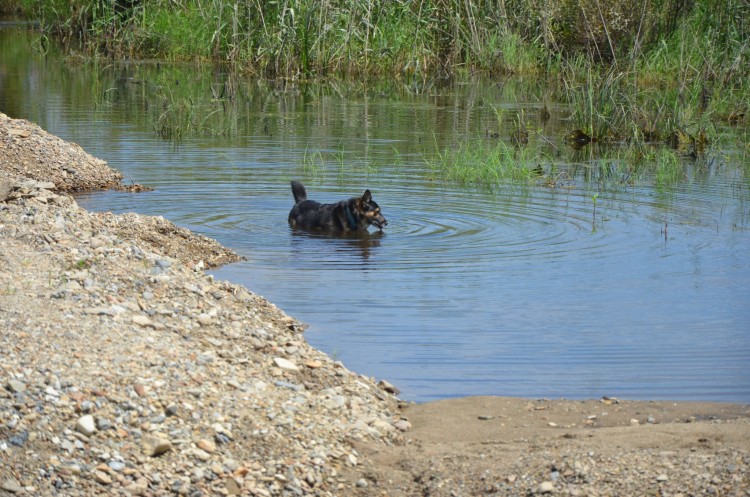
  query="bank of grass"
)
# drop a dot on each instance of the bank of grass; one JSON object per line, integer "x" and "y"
{"x": 300, "y": 38}
{"x": 629, "y": 70}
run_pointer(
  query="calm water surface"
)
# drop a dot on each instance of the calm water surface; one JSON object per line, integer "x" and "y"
{"x": 514, "y": 291}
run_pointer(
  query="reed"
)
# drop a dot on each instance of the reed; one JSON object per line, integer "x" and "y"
{"x": 668, "y": 168}
{"x": 299, "y": 37}
{"x": 695, "y": 75}
{"x": 632, "y": 73}
{"x": 418, "y": 39}
{"x": 313, "y": 164}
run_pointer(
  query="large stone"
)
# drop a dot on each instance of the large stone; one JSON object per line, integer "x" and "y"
{"x": 6, "y": 188}
{"x": 86, "y": 425}
{"x": 545, "y": 487}
{"x": 285, "y": 364}
{"x": 155, "y": 445}
{"x": 16, "y": 386}
{"x": 12, "y": 486}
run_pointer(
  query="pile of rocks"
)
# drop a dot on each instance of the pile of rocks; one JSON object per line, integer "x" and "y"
{"x": 125, "y": 370}
{"x": 29, "y": 152}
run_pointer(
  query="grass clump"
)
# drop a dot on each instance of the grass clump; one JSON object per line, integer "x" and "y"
{"x": 485, "y": 163}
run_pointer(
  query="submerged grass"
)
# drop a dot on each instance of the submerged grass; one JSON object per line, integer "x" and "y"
{"x": 318, "y": 164}
{"x": 487, "y": 164}
{"x": 484, "y": 163}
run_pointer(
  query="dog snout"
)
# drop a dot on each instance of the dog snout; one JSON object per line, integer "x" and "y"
{"x": 381, "y": 222}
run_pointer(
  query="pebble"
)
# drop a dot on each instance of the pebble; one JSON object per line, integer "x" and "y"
{"x": 388, "y": 387}
{"x": 86, "y": 425}
{"x": 232, "y": 487}
{"x": 545, "y": 487}
{"x": 102, "y": 477}
{"x": 154, "y": 445}
{"x": 206, "y": 445}
{"x": 142, "y": 320}
{"x": 402, "y": 425}
{"x": 12, "y": 486}
{"x": 139, "y": 487}
{"x": 139, "y": 389}
{"x": 16, "y": 386}
{"x": 116, "y": 465}
{"x": 285, "y": 364}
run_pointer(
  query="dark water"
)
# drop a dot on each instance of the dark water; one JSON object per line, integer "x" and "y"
{"x": 510, "y": 291}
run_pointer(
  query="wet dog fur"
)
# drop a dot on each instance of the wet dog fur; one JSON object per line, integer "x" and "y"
{"x": 352, "y": 215}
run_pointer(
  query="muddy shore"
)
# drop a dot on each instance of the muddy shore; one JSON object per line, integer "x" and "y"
{"x": 126, "y": 370}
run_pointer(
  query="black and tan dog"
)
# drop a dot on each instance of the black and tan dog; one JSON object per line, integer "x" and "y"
{"x": 355, "y": 214}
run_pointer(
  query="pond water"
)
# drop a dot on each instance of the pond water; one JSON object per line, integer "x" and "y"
{"x": 509, "y": 290}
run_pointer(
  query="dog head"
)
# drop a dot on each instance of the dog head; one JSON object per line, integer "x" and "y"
{"x": 369, "y": 210}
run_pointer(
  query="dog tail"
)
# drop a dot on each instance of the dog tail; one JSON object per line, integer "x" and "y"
{"x": 299, "y": 192}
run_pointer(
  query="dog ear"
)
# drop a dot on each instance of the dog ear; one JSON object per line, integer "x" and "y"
{"x": 367, "y": 196}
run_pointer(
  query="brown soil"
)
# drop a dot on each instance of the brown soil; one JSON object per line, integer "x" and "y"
{"x": 511, "y": 446}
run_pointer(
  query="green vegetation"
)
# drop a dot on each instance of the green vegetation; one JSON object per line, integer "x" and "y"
{"x": 629, "y": 70}
{"x": 415, "y": 39}
{"x": 692, "y": 77}
{"x": 486, "y": 163}
{"x": 594, "y": 198}
{"x": 411, "y": 38}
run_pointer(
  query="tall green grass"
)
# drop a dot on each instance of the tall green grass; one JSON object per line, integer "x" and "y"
{"x": 670, "y": 87}
{"x": 297, "y": 37}
{"x": 324, "y": 37}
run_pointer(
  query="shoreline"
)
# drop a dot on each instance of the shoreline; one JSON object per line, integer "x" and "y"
{"x": 126, "y": 370}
